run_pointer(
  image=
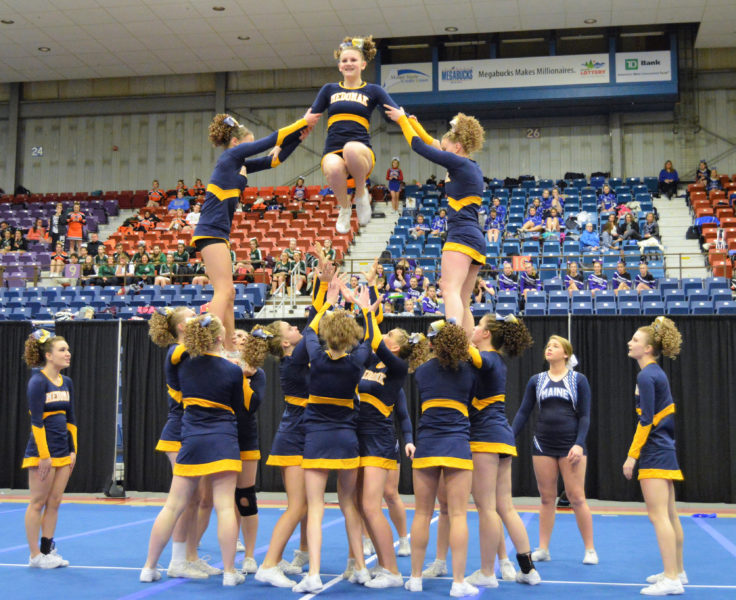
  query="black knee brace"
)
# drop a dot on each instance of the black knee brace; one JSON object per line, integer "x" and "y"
{"x": 525, "y": 562}
{"x": 250, "y": 507}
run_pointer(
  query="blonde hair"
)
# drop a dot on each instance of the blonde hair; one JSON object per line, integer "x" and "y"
{"x": 220, "y": 132}
{"x": 511, "y": 338}
{"x": 163, "y": 327}
{"x": 201, "y": 333}
{"x": 564, "y": 342}
{"x": 255, "y": 349}
{"x": 664, "y": 337}
{"x": 340, "y": 330}
{"x": 368, "y": 49}
{"x": 467, "y": 131}
{"x": 450, "y": 346}
{"x": 414, "y": 353}
{"x": 34, "y": 351}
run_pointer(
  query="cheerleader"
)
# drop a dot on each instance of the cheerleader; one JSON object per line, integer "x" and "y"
{"x": 492, "y": 445}
{"x": 52, "y": 448}
{"x": 621, "y": 278}
{"x": 212, "y": 395}
{"x": 654, "y": 447}
{"x": 229, "y": 178}
{"x": 573, "y": 281}
{"x": 331, "y": 440}
{"x": 299, "y": 191}
{"x": 529, "y": 279}
{"x": 166, "y": 330}
{"x": 464, "y": 251}
{"x": 597, "y": 281}
{"x": 75, "y": 228}
{"x": 563, "y": 398}
{"x": 394, "y": 177}
{"x": 446, "y": 386}
{"x": 349, "y": 104}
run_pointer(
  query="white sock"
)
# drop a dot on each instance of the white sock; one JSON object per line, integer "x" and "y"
{"x": 178, "y": 551}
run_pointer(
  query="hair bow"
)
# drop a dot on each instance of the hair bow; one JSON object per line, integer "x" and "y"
{"x": 435, "y": 327}
{"x": 41, "y": 336}
{"x": 261, "y": 333}
{"x": 354, "y": 43}
{"x": 165, "y": 310}
{"x": 230, "y": 121}
{"x": 415, "y": 338}
{"x": 572, "y": 362}
{"x": 205, "y": 320}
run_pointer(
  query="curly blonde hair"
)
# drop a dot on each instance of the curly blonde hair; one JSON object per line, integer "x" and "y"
{"x": 339, "y": 330}
{"x": 220, "y": 133}
{"x": 255, "y": 350}
{"x": 450, "y": 346}
{"x": 510, "y": 338}
{"x": 200, "y": 338}
{"x": 162, "y": 328}
{"x": 275, "y": 347}
{"x": 664, "y": 337}
{"x": 467, "y": 131}
{"x": 34, "y": 353}
{"x": 415, "y": 354}
{"x": 368, "y": 50}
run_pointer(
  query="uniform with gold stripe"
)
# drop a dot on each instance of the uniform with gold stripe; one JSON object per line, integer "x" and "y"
{"x": 254, "y": 393}
{"x": 463, "y": 186}
{"x": 443, "y": 433}
{"x": 170, "y": 440}
{"x": 489, "y": 428}
{"x": 654, "y": 440}
{"x": 227, "y": 183}
{"x": 53, "y": 424}
{"x": 212, "y": 395}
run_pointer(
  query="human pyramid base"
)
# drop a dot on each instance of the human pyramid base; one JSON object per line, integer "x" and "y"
{"x": 343, "y": 380}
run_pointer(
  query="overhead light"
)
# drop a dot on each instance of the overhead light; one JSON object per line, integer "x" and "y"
{"x": 522, "y": 40}
{"x": 44, "y": 49}
{"x": 407, "y": 46}
{"x": 641, "y": 34}
{"x": 593, "y": 36}
{"x": 468, "y": 43}
{"x": 450, "y": 29}
{"x": 218, "y": 8}
{"x": 590, "y": 21}
{"x": 243, "y": 38}
{"x": 7, "y": 21}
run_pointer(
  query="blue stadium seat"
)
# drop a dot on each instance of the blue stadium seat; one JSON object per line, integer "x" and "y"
{"x": 19, "y": 314}
{"x": 394, "y": 251}
{"x": 582, "y": 308}
{"x": 670, "y": 283}
{"x": 511, "y": 247}
{"x": 695, "y": 295}
{"x": 670, "y": 294}
{"x": 556, "y": 295}
{"x": 557, "y": 308}
{"x": 702, "y": 307}
{"x": 551, "y": 248}
{"x": 653, "y": 307}
{"x": 605, "y": 307}
{"x": 677, "y": 307}
{"x": 650, "y": 296}
{"x": 726, "y": 307}
{"x": 536, "y": 296}
{"x": 535, "y": 309}
{"x": 720, "y": 295}
{"x": 432, "y": 251}
{"x": 506, "y": 297}
{"x": 502, "y": 308}
{"x": 605, "y": 296}
{"x": 581, "y": 297}
{"x": 530, "y": 247}
{"x": 716, "y": 283}
{"x": 629, "y": 307}
{"x": 652, "y": 184}
{"x": 554, "y": 284}
{"x": 692, "y": 283}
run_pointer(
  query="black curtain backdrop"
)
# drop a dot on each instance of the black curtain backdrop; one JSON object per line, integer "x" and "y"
{"x": 94, "y": 371}
{"x": 15, "y": 423}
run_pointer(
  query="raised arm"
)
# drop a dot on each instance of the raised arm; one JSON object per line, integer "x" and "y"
{"x": 253, "y": 165}
{"x": 283, "y": 136}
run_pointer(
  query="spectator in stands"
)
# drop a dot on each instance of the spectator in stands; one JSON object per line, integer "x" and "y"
{"x": 19, "y": 243}
{"x": 420, "y": 228}
{"x": 255, "y": 256}
{"x": 94, "y": 243}
{"x": 500, "y": 210}
{"x": 119, "y": 251}
{"x": 155, "y": 195}
{"x": 38, "y": 233}
{"x": 529, "y": 279}
{"x": 157, "y": 257}
{"x": 328, "y": 252}
{"x": 422, "y": 279}
{"x": 72, "y": 271}
{"x": 508, "y": 280}
{"x": 106, "y": 273}
{"x": 182, "y": 202}
{"x": 6, "y": 242}
{"x": 409, "y": 308}
{"x": 57, "y": 224}
{"x": 198, "y": 188}
{"x": 621, "y": 279}
{"x": 388, "y": 308}
{"x": 533, "y": 226}
{"x": 546, "y": 200}
{"x": 145, "y": 270}
{"x": 145, "y": 222}
{"x": 573, "y": 280}
{"x": 629, "y": 229}
{"x": 291, "y": 250}
{"x": 166, "y": 271}
{"x": 414, "y": 291}
{"x": 199, "y": 272}
{"x": 714, "y": 181}
{"x": 100, "y": 257}
{"x": 125, "y": 270}
{"x": 650, "y": 234}
{"x": 280, "y": 274}
{"x": 610, "y": 238}
{"x": 597, "y": 281}
{"x": 439, "y": 224}
{"x": 299, "y": 273}
{"x": 702, "y": 175}
{"x": 58, "y": 259}
{"x": 644, "y": 279}
{"x": 178, "y": 222}
{"x": 552, "y": 228}
{"x": 394, "y": 178}
{"x": 590, "y": 241}
{"x": 243, "y": 272}
{"x": 397, "y": 279}
{"x": 83, "y": 253}
{"x": 181, "y": 256}
{"x": 299, "y": 191}
{"x": 494, "y": 226}
{"x": 5, "y": 226}
{"x": 480, "y": 289}
{"x": 89, "y": 272}
{"x": 607, "y": 201}
{"x": 406, "y": 264}
{"x": 430, "y": 301}
{"x": 181, "y": 186}
{"x": 141, "y": 251}
{"x": 75, "y": 223}
{"x": 557, "y": 201}
{"x": 537, "y": 204}
{"x": 668, "y": 180}
{"x": 193, "y": 216}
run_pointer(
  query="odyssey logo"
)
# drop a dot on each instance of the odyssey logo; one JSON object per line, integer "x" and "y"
{"x": 405, "y": 76}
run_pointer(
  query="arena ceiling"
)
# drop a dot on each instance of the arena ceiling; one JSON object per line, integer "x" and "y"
{"x": 79, "y": 39}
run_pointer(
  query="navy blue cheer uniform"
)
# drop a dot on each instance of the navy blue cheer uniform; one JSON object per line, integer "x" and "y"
{"x": 489, "y": 428}
{"x": 349, "y": 114}
{"x": 379, "y": 391}
{"x": 564, "y": 413}
{"x": 254, "y": 392}
{"x": 212, "y": 395}
{"x": 170, "y": 440}
{"x": 443, "y": 433}
{"x": 227, "y": 184}
{"x": 330, "y": 418}
{"x": 654, "y": 440}
{"x": 53, "y": 424}
{"x": 464, "y": 188}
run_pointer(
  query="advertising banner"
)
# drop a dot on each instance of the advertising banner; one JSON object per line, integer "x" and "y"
{"x": 633, "y": 67}
{"x": 408, "y": 77}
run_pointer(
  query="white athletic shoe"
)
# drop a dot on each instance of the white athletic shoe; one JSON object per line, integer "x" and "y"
{"x": 185, "y": 570}
{"x": 202, "y": 564}
{"x": 275, "y": 577}
{"x": 149, "y": 575}
{"x": 349, "y": 569}
{"x": 458, "y": 590}
{"x": 308, "y": 584}
{"x": 508, "y": 571}
{"x": 385, "y": 580}
{"x": 363, "y": 206}
{"x": 530, "y": 578}
{"x": 404, "y": 547}
{"x": 45, "y": 561}
{"x": 541, "y": 555}
{"x": 479, "y": 579}
{"x": 301, "y": 558}
{"x": 437, "y": 569}
{"x": 368, "y": 549}
{"x": 239, "y": 545}
{"x": 64, "y": 562}
{"x": 377, "y": 570}
{"x": 361, "y": 576}
{"x": 664, "y": 587}
{"x": 249, "y": 565}
{"x": 413, "y": 584}
{"x": 232, "y": 579}
{"x": 655, "y": 578}
{"x": 288, "y": 568}
{"x": 343, "y": 222}
{"x": 590, "y": 558}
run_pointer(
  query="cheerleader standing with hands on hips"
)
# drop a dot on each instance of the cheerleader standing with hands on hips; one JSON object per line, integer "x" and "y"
{"x": 563, "y": 398}
{"x": 654, "y": 447}
{"x": 394, "y": 177}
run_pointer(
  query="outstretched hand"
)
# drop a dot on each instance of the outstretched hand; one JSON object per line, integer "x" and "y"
{"x": 333, "y": 291}
{"x": 364, "y": 299}
{"x": 370, "y": 275}
{"x": 394, "y": 113}
{"x": 275, "y": 151}
{"x": 311, "y": 118}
